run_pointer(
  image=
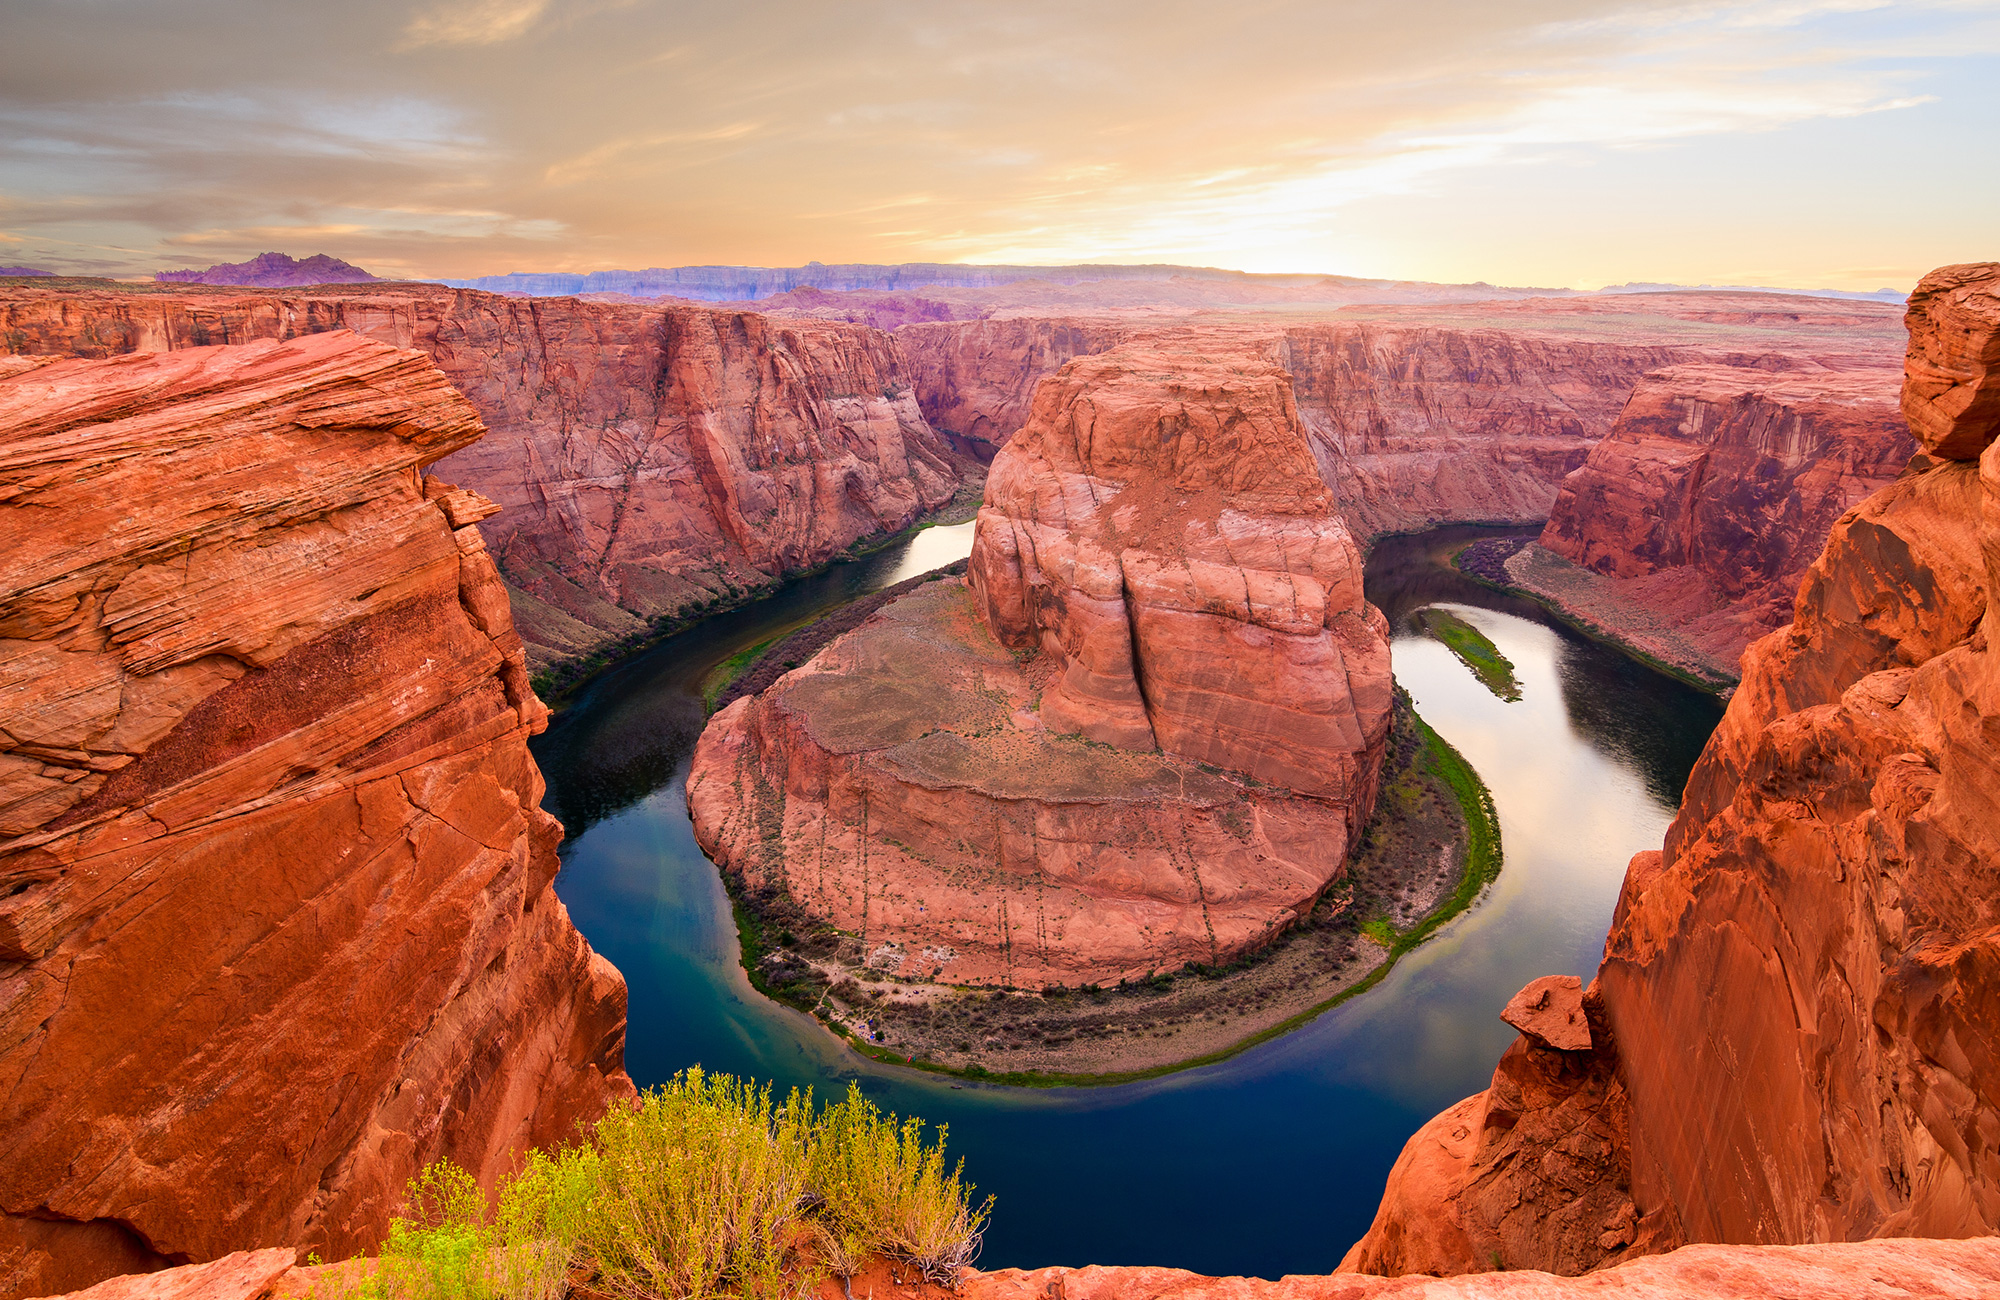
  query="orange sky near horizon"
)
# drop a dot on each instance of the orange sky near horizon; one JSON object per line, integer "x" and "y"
{"x": 1567, "y": 143}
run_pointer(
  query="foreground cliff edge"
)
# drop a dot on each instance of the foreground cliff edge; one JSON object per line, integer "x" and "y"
{"x": 276, "y": 924}
{"x": 1792, "y": 1035}
{"x": 1870, "y": 1270}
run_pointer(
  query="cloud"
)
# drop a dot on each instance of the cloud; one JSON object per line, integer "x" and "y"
{"x": 1295, "y": 134}
{"x": 473, "y": 22}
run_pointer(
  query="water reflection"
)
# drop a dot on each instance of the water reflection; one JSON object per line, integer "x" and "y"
{"x": 627, "y": 730}
{"x": 1268, "y": 1163}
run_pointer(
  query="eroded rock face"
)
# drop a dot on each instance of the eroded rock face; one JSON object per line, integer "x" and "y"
{"x": 1914, "y": 1270}
{"x": 1798, "y": 990}
{"x": 1416, "y": 424}
{"x": 976, "y": 379}
{"x": 1144, "y": 734}
{"x": 1161, "y": 533}
{"x": 1419, "y": 426}
{"x": 1717, "y": 487}
{"x": 276, "y": 925}
{"x": 648, "y": 459}
{"x": 1952, "y": 393}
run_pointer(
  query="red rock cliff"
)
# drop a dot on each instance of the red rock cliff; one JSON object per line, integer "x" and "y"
{"x": 1422, "y": 425}
{"x": 1793, "y": 1028}
{"x": 276, "y": 924}
{"x": 976, "y": 379}
{"x": 1871, "y": 1270}
{"x": 648, "y": 459}
{"x": 1430, "y": 416}
{"x": 1717, "y": 487}
{"x": 1145, "y": 736}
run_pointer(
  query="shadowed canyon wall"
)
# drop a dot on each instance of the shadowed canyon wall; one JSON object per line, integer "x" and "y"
{"x": 1143, "y": 733}
{"x": 276, "y": 916}
{"x": 1792, "y": 1032}
{"x": 648, "y": 460}
{"x": 1717, "y": 487}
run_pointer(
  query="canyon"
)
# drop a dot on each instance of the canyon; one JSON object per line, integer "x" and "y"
{"x": 236, "y": 672}
{"x": 276, "y": 917}
{"x": 1444, "y": 413}
{"x": 656, "y": 460}
{"x": 1143, "y": 731}
{"x": 1831, "y": 872}
{"x": 651, "y": 462}
{"x": 1717, "y": 486}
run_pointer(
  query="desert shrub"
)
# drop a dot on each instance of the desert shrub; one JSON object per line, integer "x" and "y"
{"x": 706, "y": 1190}
{"x": 698, "y": 1192}
{"x": 451, "y": 1247}
{"x": 439, "y": 1251}
{"x": 878, "y": 1184}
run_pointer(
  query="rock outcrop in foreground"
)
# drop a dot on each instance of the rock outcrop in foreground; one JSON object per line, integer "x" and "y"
{"x": 1144, "y": 733}
{"x": 1871, "y": 1270}
{"x": 276, "y": 924}
{"x": 1717, "y": 486}
{"x": 649, "y": 460}
{"x": 1793, "y": 1031}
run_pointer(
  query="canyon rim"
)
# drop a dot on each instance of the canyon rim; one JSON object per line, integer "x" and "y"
{"x": 262, "y": 644}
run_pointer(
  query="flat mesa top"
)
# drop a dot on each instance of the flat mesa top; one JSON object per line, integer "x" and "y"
{"x": 925, "y": 689}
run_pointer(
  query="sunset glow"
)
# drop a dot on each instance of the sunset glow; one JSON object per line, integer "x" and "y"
{"x": 1556, "y": 142}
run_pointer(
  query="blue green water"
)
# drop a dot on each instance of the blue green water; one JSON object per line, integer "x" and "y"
{"x": 1271, "y": 1162}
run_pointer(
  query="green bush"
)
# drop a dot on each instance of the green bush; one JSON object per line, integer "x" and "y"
{"x": 880, "y": 1189}
{"x": 699, "y": 1186}
{"x": 706, "y": 1190}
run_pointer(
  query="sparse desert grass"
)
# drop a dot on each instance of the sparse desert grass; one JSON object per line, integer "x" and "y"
{"x": 706, "y": 1190}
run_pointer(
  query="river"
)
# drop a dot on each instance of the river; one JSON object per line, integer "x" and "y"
{"x": 1271, "y": 1162}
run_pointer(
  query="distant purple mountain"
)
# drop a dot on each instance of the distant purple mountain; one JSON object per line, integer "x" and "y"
{"x": 273, "y": 271}
{"x": 23, "y": 270}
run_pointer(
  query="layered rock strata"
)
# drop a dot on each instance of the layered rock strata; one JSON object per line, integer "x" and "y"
{"x": 1423, "y": 425}
{"x": 1792, "y": 1029}
{"x": 976, "y": 379}
{"x": 1871, "y": 1270}
{"x": 1143, "y": 733}
{"x": 1717, "y": 487}
{"x": 276, "y": 924}
{"x": 1453, "y": 415}
{"x": 649, "y": 460}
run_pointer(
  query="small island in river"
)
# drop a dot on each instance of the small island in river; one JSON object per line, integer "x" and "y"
{"x": 1475, "y": 650}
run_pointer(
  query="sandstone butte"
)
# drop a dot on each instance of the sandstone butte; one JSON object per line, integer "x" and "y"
{"x": 1717, "y": 487}
{"x": 648, "y": 459}
{"x": 276, "y": 924}
{"x": 1793, "y": 1032}
{"x": 1142, "y": 733}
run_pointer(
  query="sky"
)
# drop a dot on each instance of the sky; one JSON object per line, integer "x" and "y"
{"x": 1844, "y": 144}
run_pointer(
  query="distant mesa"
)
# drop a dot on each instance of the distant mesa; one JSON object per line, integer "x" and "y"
{"x": 1061, "y": 287}
{"x": 272, "y": 271}
{"x": 23, "y": 270}
{"x": 1896, "y": 296}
